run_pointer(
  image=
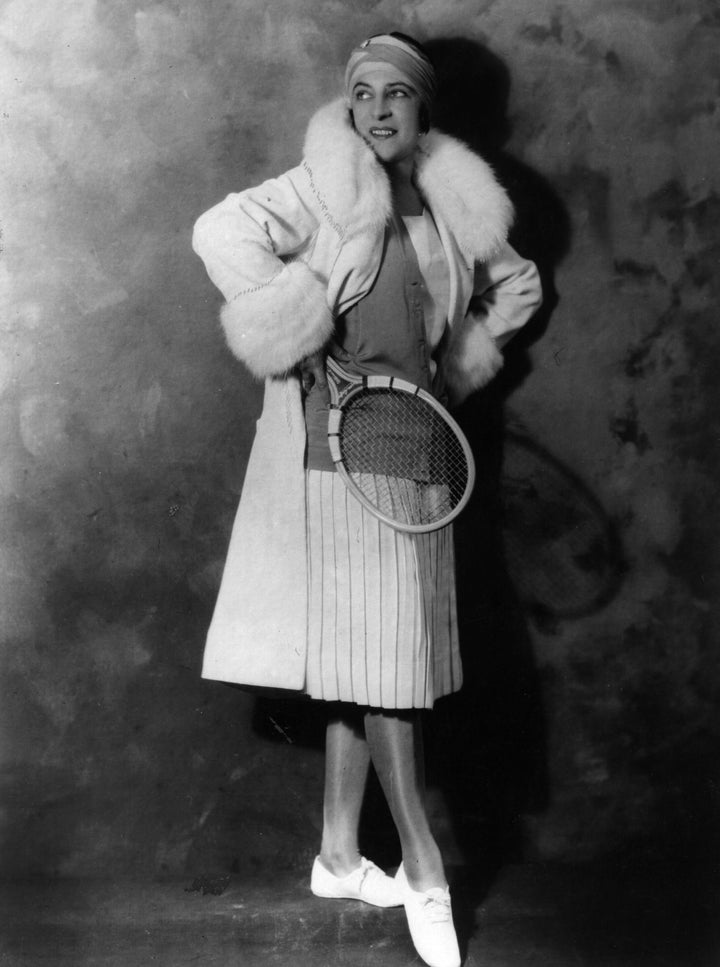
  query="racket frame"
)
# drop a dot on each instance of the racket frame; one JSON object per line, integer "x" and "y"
{"x": 340, "y": 395}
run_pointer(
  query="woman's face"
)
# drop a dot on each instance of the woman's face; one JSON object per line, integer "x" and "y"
{"x": 386, "y": 110}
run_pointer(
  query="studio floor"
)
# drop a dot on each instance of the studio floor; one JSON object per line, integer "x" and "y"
{"x": 530, "y": 916}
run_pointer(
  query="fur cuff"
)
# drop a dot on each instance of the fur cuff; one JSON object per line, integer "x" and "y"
{"x": 273, "y": 327}
{"x": 473, "y": 359}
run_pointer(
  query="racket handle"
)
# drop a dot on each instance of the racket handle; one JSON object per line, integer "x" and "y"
{"x": 334, "y": 420}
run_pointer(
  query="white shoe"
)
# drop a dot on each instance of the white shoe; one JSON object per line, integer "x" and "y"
{"x": 430, "y": 920}
{"x": 367, "y": 883}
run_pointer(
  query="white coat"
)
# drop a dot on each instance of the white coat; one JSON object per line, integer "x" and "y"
{"x": 290, "y": 256}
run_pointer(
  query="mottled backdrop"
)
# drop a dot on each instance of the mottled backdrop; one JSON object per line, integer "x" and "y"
{"x": 126, "y": 424}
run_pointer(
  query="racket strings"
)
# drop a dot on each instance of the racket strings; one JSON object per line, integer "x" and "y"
{"x": 403, "y": 456}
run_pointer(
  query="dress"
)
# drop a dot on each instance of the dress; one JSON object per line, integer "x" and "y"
{"x": 382, "y": 625}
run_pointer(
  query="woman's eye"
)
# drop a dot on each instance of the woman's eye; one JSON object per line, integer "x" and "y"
{"x": 361, "y": 95}
{"x": 398, "y": 93}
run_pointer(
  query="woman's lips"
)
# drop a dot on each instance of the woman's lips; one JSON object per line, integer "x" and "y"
{"x": 382, "y": 132}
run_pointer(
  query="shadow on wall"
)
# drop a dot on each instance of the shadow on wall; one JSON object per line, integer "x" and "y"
{"x": 473, "y": 94}
{"x": 561, "y": 550}
{"x": 488, "y": 746}
{"x": 536, "y": 546}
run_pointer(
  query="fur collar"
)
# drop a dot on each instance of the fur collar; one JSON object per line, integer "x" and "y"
{"x": 354, "y": 190}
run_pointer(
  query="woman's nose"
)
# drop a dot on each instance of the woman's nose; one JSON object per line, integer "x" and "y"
{"x": 382, "y": 107}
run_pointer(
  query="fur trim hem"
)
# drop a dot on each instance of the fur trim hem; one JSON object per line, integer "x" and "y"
{"x": 472, "y": 361}
{"x": 272, "y": 328}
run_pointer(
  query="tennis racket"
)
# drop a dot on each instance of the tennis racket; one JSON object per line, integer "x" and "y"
{"x": 398, "y": 450}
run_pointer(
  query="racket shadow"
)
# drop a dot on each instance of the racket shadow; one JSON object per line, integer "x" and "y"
{"x": 562, "y": 551}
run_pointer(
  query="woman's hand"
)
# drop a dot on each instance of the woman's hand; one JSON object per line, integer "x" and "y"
{"x": 312, "y": 373}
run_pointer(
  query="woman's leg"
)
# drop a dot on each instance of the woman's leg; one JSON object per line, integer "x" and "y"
{"x": 396, "y": 749}
{"x": 347, "y": 759}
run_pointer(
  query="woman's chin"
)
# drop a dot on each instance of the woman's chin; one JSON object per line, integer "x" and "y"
{"x": 389, "y": 156}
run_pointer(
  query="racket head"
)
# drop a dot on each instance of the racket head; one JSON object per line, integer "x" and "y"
{"x": 401, "y": 454}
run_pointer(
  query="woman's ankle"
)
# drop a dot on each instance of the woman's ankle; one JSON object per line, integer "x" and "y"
{"x": 425, "y": 872}
{"x": 340, "y": 862}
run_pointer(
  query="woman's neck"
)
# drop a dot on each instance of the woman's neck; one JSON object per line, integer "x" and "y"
{"x": 406, "y": 197}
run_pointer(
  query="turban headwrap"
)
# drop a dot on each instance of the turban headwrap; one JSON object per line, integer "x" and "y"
{"x": 386, "y": 49}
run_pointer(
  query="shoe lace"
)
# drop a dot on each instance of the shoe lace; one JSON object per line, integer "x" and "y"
{"x": 437, "y": 906}
{"x": 369, "y": 870}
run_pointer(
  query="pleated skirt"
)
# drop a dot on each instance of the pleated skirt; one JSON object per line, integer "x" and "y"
{"x": 382, "y": 617}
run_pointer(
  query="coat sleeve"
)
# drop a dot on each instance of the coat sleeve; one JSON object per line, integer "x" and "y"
{"x": 254, "y": 245}
{"x": 506, "y": 293}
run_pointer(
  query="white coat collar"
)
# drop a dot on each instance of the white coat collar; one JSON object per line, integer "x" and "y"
{"x": 353, "y": 189}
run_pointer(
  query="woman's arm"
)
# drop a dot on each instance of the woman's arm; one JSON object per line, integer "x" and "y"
{"x": 253, "y": 245}
{"x": 506, "y": 293}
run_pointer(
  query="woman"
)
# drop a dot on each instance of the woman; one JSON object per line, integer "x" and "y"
{"x": 386, "y": 247}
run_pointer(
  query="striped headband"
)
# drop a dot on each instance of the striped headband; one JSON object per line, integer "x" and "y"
{"x": 386, "y": 49}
